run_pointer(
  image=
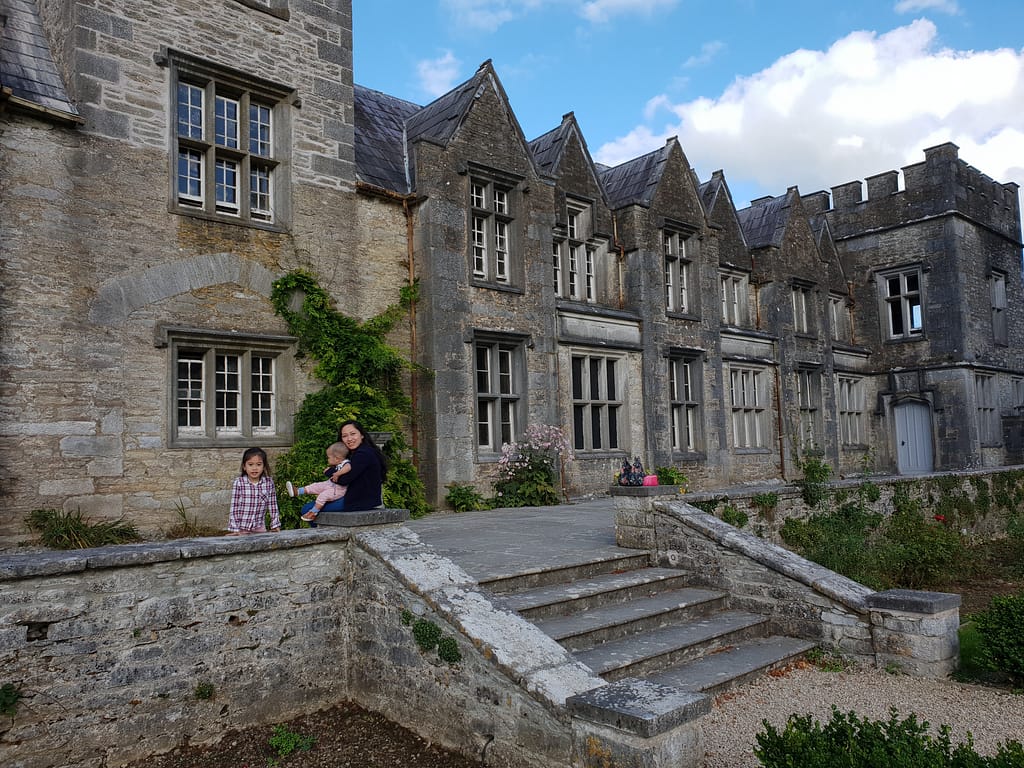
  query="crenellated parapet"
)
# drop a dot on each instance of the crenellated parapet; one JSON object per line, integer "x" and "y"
{"x": 942, "y": 184}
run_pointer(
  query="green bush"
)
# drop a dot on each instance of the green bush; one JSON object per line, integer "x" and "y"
{"x": 448, "y": 650}
{"x": 69, "y": 530}
{"x": 426, "y": 633}
{"x": 838, "y": 540}
{"x": 914, "y": 553}
{"x": 1001, "y": 632}
{"x": 285, "y": 741}
{"x": 464, "y": 498}
{"x": 734, "y": 516}
{"x": 851, "y": 742}
{"x": 671, "y": 476}
{"x": 814, "y": 483}
{"x": 529, "y": 472}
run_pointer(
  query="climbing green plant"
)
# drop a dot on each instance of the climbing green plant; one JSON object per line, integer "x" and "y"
{"x": 362, "y": 377}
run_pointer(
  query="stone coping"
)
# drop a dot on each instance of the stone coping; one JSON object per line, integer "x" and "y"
{"x": 639, "y": 706}
{"x": 829, "y": 583}
{"x": 644, "y": 491}
{"x": 913, "y": 601}
{"x": 55, "y": 562}
{"x": 378, "y": 516}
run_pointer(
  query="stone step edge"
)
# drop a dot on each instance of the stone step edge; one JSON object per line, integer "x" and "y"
{"x": 615, "y": 584}
{"x": 659, "y": 607}
{"x": 640, "y": 707}
{"x": 744, "y": 621}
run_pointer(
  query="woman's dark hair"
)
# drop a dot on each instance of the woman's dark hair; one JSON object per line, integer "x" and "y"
{"x": 249, "y": 453}
{"x": 367, "y": 440}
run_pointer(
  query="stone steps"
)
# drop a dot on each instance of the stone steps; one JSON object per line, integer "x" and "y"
{"x": 626, "y": 620}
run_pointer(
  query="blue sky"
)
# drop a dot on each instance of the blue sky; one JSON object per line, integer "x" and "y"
{"x": 813, "y": 93}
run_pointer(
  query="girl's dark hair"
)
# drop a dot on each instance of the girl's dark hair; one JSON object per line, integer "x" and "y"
{"x": 367, "y": 440}
{"x": 249, "y": 453}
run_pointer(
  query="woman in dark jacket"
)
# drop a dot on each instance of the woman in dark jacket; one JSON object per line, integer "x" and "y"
{"x": 365, "y": 481}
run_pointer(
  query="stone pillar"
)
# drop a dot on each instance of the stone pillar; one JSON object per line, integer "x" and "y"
{"x": 916, "y": 631}
{"x": 637, "y": 724}
{"x": 634, "y": 512}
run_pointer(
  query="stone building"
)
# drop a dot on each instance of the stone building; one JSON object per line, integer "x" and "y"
{"x": 155, "y": 179}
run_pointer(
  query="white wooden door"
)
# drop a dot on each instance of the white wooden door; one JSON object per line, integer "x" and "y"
{"x": 913, "y": 438}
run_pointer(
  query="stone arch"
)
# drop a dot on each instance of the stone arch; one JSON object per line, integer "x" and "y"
{"x": 119, "y": 297}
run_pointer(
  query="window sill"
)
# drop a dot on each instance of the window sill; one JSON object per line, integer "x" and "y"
{"x": 751, "y": 451}
{"x": 906, "y": 339}
{"x": 241, "y": 441}
{"x": 682, "y": 315}
{"x": 503, "y": 287}
{"x": 235, "y": 221}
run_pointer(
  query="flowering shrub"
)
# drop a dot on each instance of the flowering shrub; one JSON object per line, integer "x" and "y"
{"x": 530, "y": 471}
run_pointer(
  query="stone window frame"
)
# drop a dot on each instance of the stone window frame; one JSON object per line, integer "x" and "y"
{"x": 850, "y": 406}
{"x": 597, "y": 405}
{"x": 574, "y": 254}
{"x": 276, "y": 8}
{"x": 749, "y": 407}
{"x": 901, "y": 305}
{"x": 1017, "y": 393}
{"x": 735, "y": 294}
{"x": 839, "y": 318}
{"x": 986, "y": 394}
{"x": 686, "y": 401}
{"x": 219, "y": 84}
{"x": 802, "y": 300}
{"x": 678, "y": 245}
{"x": 809, "y": 405}
{"x": 202, "y": 348}
{"x": 997, "y": 291}
{"x": 500, "y": 400}
{"x": 494, "y": 242}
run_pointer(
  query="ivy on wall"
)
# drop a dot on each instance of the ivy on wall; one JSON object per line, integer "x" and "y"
{"x": 362, "y": 377}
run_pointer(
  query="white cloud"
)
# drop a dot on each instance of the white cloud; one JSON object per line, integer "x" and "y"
{"x": 600, "y": 11}
{"x": 870, "y": 103}
{"x": 488, "y": 15}
{"x": 708, "y": 51}
{"x": 439, "y": 75}
{"x": 942, "y": 6}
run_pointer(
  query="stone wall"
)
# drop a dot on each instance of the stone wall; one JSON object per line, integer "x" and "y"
{"x": 124, "y": 652}
{"x": 914, "y": 631}
{"x": 108, "y": 647}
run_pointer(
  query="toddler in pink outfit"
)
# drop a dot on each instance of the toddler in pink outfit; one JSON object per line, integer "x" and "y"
{"x": 325, "y": 490}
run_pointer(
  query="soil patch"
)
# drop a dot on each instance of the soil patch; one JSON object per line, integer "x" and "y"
{"x": 345, "y": 736}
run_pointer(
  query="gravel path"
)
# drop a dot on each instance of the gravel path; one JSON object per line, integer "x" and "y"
{"x": 991, "y": 715}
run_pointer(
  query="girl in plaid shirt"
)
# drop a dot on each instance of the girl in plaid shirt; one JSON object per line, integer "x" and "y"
{"x": 252, "y": 494}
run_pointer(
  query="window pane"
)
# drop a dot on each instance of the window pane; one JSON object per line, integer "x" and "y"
{"x": 259, "y": 194}
{"x": 226, "y": 122}
{"x": 895, "y": 318}
{"x": 613, "y": 426}
{"x": 578, "y": 440}
{"x": 595, "y": 378}
{"x": 227, "y": 381}
{"x": 190, "y": 390}
{"x": 190, "y": 111}
{"x": 577, "y": 378}
{"x": 227, "y": 185}
{"x": 190, "y": 177}
{"x": 259, "y": 130}
{"x": 483, "y": 369}
{"x": 596, "y": 440}
{"x": 504, "y": 371}
{"x": 262, "y": 393}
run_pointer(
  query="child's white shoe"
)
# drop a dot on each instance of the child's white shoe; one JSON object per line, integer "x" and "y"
{"x": 290, "y": 488}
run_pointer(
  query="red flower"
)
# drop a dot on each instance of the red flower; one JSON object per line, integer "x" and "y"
{"x": 940, "y": 518}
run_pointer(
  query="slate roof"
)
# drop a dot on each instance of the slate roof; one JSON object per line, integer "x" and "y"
{"x": 438, "y": 120}
{"x": 635, "y": 181}
{"x": 710, "y": 190}
{"x": 26, "y": 63}
{"x": 546, "y": 149}
{"x": 380, "y": 139}
{"x": 764, "y": 222}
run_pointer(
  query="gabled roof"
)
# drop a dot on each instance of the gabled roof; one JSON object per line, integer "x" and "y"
{"x": 547, "y": 149}
{"x": 28, "y": 76}
{"x": 764, "y": 221}
{"x": 635, "y": 181}
{"x": 381, "y": 157}
{"x": 712, "y": 191}
{"x": 438, "y": 120}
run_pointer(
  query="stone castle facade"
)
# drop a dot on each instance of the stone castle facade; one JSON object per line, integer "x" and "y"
{"x": 156, "y": 178}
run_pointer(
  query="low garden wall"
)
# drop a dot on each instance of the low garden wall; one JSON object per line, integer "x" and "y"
{"x": 975, "y": 501}
{"x": 915, "y": 631}
{"x": 112, "y": 655}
